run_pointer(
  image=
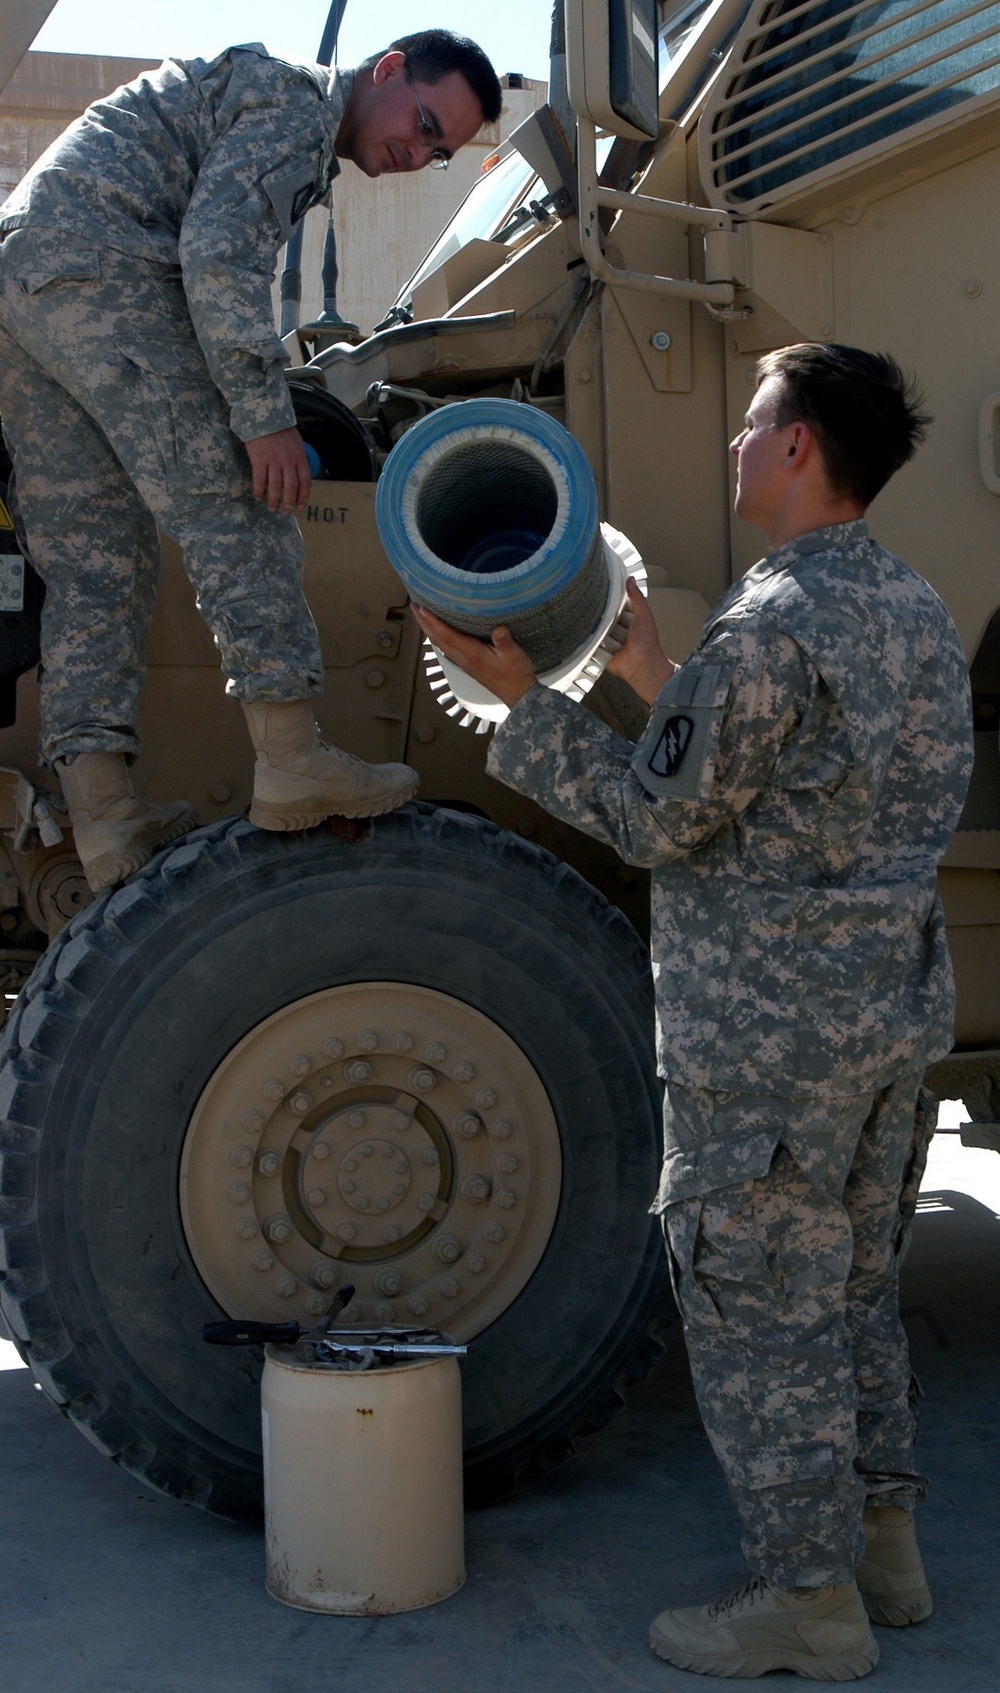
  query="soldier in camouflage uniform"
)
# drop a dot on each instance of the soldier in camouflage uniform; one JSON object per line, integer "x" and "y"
{"x": 798, "y": 782}
{"x": 142, "y": 385}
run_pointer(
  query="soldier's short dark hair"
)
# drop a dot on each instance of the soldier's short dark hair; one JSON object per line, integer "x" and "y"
{"x": 432, "y": 54}
{"x": 865, "y": 411}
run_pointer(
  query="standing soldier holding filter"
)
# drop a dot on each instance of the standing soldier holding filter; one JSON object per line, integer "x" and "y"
{"x": 142, "y": 385}
{"x": 798, "y": 781}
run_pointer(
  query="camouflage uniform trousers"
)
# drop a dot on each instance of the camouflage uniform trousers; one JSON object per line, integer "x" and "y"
{"x": 788, "y": 1286}
{"x": 115, "y": 427}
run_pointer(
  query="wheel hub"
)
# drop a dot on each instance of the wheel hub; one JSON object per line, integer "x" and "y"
{"x": 379, "y": 1134}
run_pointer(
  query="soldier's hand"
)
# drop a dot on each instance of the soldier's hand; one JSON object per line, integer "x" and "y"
{"x": 499, "y": 663}
{"x": 640, "y": 660}
{"x": 280, "y": 470}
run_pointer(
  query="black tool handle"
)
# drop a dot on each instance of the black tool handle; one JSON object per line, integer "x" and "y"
{"x": 251, "y": 1334}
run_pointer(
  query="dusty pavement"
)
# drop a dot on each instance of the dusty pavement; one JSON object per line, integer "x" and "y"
{"x": 108, "y": 1588}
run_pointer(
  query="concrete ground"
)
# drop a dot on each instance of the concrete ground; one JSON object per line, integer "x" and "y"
{"x": 108, "y": 1588}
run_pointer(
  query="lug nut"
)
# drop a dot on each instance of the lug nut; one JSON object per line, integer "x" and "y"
{"x": 253, "y": 1122}
{"x": 333, "y": 1048}
{"x": 239, "y": 1193}
{"x": 300, "y": 1102}
{"x": 508, "y": 1163}
{"x": 316, "y": 1197}
{"x": 390, "y": 1233}
{"x": 420, "y": 1305}
{"x": 422, "y": 1080}
{"x": 274, "y": 1089}
{"x": 301, "y": 1064}
{"x": 358, "y": 1070}
{"x": 384, "y": 1314}
{"x": 355, "y": 1119}
{"x": 367, "y": 1149}
{"x": 467, "y": 1124}
{"x": 316, "y": 1305}
{"x": 501, "y": 1129}
{"x": 278, "y": 1229}
{"x": 367, "y": 1040}
{"x": 506, "y": 1198}
{"x": 486, "y": 1098}
{"x": 435, "y": 1053}
{"x": 495, "y": 1232}
{"x": 246, "y": 1228}
{"x": 286, "y": 1286}
{"x": 401, "y": 1122}
{"x": 446, "y": 1249}
{"x": 346, "y": 1231}
{"x": 475, "y": 1263}
{"x": 242, "y": 1157}
{"x": 323, "y": 1274}
{"x": 451, "y": 1287}
{"x": 429, "y": 1155}
{"x": 321, "y": 1150}
{"x": 269, "y": 1163}
{"x": 388, "y": 1282}
{"x": 425, "y": 1202}
{"x": 402, "y": 1042}
{"x": 465, "y": 1071}
{"x": 262, "y": 1260}
{"x": 476, "y": 1189}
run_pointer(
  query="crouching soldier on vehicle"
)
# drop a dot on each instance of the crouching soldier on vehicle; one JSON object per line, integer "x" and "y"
{"x": 798, "y": 782}
{"x": 142, "y": 385}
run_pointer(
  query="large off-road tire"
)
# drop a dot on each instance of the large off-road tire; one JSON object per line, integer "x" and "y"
{"x": 418, "y": 1061}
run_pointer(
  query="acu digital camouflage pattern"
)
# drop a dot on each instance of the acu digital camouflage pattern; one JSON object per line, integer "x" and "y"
{"x": 136, "y": 344}
{"x": 797, "y": 936}
{"x": 803, "y": 983}
{"x": 788, "y": 1286}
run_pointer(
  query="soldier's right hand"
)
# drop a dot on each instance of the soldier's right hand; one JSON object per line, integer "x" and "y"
{"x": 280, "y": 470}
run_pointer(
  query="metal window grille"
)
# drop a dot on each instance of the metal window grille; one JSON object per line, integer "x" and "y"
{"x": 811, "y": 85}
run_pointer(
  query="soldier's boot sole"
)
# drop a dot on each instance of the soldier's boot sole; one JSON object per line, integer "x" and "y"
{"x": 763, "y": 1629}
{"x": 134, "y": 846}
{"x": 891, "y": 1573}
{"x": 301, "y": 814}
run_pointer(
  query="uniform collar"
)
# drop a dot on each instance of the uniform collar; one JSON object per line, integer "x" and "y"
{"x": 833, "y": 536}
{"x": 338, "y": 93}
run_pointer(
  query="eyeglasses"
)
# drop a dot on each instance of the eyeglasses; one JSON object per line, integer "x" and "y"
{"x": 439, "y": 159}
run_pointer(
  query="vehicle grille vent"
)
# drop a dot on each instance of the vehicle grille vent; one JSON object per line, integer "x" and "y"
{"x": 812, "y": 85}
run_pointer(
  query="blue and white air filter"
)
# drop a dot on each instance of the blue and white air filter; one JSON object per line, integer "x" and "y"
{"x": 488, "y": 511}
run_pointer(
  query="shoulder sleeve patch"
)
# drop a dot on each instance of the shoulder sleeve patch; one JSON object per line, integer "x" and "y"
{"x": 292, "y": 191}
{"x": 675, "y": 758}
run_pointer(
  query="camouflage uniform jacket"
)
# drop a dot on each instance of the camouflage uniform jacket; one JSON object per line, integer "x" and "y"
{"x": 798, "y": 781}
{"x": 208, "y": 165}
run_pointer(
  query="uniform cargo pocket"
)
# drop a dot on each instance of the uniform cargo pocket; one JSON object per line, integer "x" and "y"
{"x": 37, "y": 271}
{"x": 187, "y": 422}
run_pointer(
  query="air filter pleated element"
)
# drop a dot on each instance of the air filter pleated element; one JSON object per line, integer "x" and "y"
{"x": 488, "y": 511}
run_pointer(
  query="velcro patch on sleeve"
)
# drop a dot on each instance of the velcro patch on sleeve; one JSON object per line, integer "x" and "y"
{"x": 291, "y": 192}
{"x": 675, "y": 759}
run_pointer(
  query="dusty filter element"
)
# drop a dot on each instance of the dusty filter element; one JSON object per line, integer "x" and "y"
{"x": 488, "y": 511}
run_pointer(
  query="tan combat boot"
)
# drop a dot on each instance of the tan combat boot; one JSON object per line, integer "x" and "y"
{"x": 891, "y": 1574}
{"x": 821, "y": 1633}
{"x": 298, "y": 780}
{"x": 115, "y": 832}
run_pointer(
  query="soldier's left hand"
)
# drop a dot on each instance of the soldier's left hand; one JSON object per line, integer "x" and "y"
{"x": 499, "y": 663}
{"x": 280, "y": 470}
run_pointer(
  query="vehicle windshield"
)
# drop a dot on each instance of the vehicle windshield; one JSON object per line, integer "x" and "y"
{"x": 675, "y": 32}
{"x": 482, "y": 213}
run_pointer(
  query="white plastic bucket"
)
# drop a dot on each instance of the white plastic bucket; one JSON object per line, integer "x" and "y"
{"x": 362, "y": 1484}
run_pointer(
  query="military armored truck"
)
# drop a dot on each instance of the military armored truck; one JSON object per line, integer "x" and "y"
{"x": 415, "y": 1054}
